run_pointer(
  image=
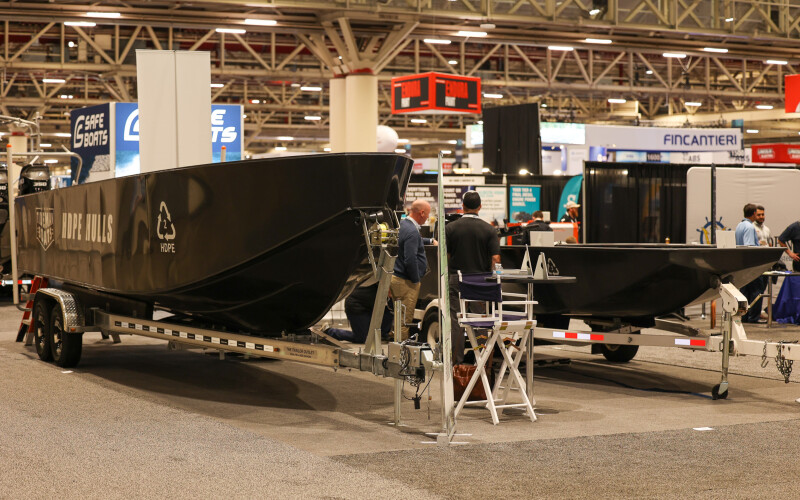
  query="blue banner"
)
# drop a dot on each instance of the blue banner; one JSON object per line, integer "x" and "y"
{"x": 91, "y": 131}
{"x": 226, "y": 130}
{"x": 571, "y": 192}
{"x": 127, "y": 138}
{"x": 524, "y": 200}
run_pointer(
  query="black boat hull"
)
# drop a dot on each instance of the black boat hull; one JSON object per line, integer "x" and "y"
{"x": 634, "y": 282}
{"x": 262, "y": 246}
{"x": 640, "y": 280}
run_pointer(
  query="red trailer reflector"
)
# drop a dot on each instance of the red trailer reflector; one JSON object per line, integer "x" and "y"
{"x": 577, "y": 336}
{"x": 694, "y": 342}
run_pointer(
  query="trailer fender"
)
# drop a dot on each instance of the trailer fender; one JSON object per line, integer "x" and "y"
{"x": 71, "y": 308}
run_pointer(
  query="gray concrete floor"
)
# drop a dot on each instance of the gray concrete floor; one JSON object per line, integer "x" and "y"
{"x": 137, "y": 420}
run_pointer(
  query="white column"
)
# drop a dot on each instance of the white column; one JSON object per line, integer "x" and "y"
{"x": 338, "y": 118}
{"x": 362, "y": 112}
{"x": 174, "y": 108}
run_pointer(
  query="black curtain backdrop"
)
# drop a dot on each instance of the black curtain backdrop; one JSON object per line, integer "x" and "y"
{"x": 635, "y": 202}
{"x": 511, "y": 139}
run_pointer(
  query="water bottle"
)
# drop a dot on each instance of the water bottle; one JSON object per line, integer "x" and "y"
{"x": 498, "y": 268}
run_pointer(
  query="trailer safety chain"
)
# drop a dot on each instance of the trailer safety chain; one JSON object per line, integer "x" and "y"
{"x": 764, "y": 360}
{"x": 784, "y": 365}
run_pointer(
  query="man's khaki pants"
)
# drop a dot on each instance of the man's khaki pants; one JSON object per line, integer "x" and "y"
{"x": 407, "y": 292}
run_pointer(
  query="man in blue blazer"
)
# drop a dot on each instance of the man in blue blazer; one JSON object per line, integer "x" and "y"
{"x": 411, "y": 264}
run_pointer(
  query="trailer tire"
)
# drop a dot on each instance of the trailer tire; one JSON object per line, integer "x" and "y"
{"x": 431, "y": 327}
{"x": 66, "y": 347}
{"x": 41, "y": 330}
{"x": 618, "y": 353}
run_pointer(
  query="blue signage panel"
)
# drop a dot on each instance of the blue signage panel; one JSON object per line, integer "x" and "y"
{"x": 127, "y": 138}
{"x": 91, "y": 139}
{"x": 226, "y": 130}
{"x": 524, "y": 200}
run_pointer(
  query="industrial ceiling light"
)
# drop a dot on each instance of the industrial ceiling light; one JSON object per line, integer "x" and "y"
{"x": 61, "y": 134}
{"x": 437, "y": 41}
{"x": 327, "y": 150}
{"x": 523, "y": 171}
{"x": 543, "y": 105}
{"x": 674, "y": 55}
{"x": 480, "y": 122}
{"x": 400, "y": 151}
{"x": 729, "y": 19}
{"x": 402, "y": 141}
{"x": 648, "y": 72}
{"x": 419, "y": 120}
{"x": 66, "y": 96}
{"x": 311, "y": 89}
{"x": 493, "y": 96}
{"x": 487, "y": 26}
{"x": 280, "y": 148}
{"x": 615, "y": 100}
{"x": 485, "y": 170}
{"x": 236, "y": 31}
{"x": 217, "y": 85}
{"x": 752, "y": 131}
{"x": 51, "y": 161}
{"x": 718, "y": 50}
{"x": 452, "y": 141}
{"x": 777, "y": 61}
{"x": 446, "y": 152}
{"x": 478, "y": 34}
{"x": 452, "y": 61}
{"x": 594, "y": 12}
{"x": 255, "y": 101}
{"x": 560, "y": 48}
{"x": 693, "y": 104}
{"x": 764, "y": 106}
{"x": 80, "y": 24}
{"x": 70, "y": 44}
{"x": 313, "y": 118}
{"x": 599, "y": 41}
{"x": 261, "y": 22}
{"x": 53, "y": 80}
{"x": 295, "y": 85}
{"x": 105, "y": 15}
{"x": 45, "y": 145}
{"x": 285, "y": 138}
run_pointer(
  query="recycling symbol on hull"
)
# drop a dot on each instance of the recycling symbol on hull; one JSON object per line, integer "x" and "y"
{"x": 165, "y": 230}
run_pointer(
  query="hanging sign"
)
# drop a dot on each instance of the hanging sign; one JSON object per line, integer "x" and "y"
{"x": 776, "y": 153}
{"x": 436, "y": 93}
{"x": 791, "y": 86}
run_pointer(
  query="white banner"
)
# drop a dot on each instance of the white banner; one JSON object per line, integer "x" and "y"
{"x": 774, "y": 188}
{"x": 664, "y": 139}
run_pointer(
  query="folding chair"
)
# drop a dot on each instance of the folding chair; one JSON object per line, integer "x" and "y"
{"x": 475, "y": 288}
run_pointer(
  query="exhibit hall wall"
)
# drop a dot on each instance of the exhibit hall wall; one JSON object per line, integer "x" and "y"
{"x": 774, "y": 188}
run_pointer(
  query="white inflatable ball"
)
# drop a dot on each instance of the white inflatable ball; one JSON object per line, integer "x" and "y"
{"x": 387, "y": 139}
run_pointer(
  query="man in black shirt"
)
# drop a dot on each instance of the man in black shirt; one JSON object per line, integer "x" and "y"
{"x": 572, "y": 214}
{"x": 538, "y": 224}
{"x": 792, "y": 233}
{"x": 472, "y": 247}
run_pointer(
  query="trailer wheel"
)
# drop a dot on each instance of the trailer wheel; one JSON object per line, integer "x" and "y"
{"x": 41, "y": 328}
{"x": 66, "y": 347}
{"x": 431, "y": 327}
{"x": 619, "y": 353}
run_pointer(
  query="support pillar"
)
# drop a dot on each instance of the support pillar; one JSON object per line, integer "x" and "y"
{"x": 362, "y": 112}
{"x": 338, "y": 115}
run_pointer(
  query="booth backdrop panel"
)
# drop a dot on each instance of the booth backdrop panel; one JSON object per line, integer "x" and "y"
{"x": 511, "y": 139}
{"x": 775, "y": 188}
{"x": 635, "y": 202}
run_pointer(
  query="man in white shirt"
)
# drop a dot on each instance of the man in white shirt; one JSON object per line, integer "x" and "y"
{"x": 763, "y": 232}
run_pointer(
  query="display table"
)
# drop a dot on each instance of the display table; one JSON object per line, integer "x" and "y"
{"x": 528, "y": 279}
{"x": 787, "y": 305}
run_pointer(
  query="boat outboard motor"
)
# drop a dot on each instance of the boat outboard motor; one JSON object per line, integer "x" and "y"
{"x": 34, "y": 179}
